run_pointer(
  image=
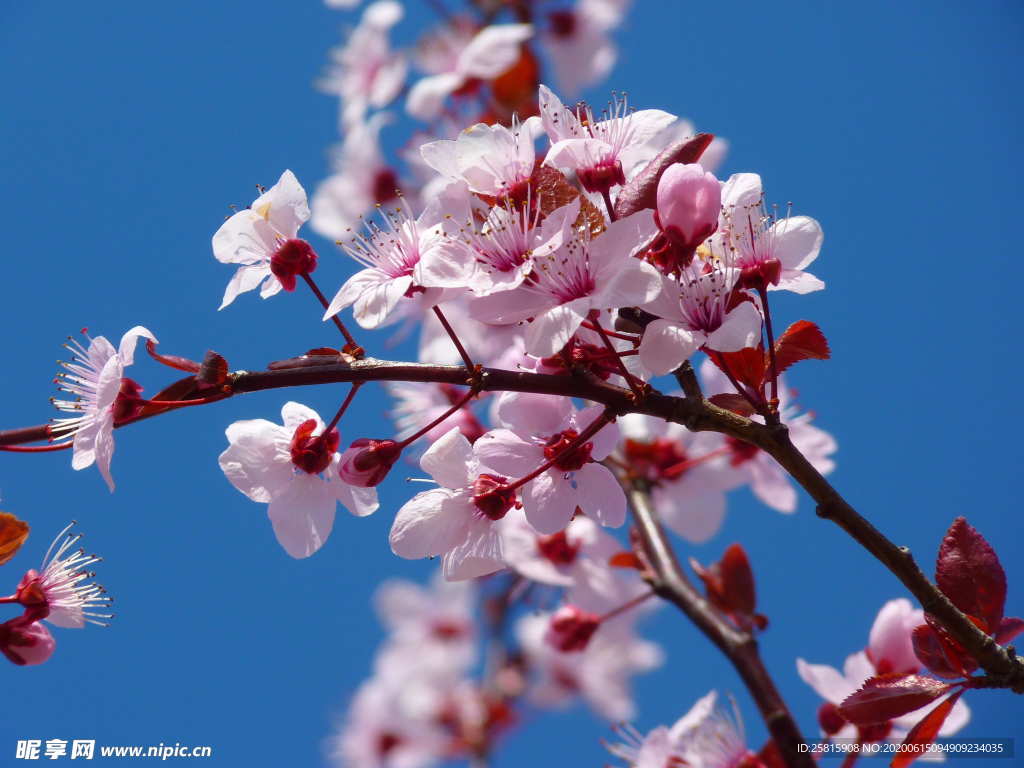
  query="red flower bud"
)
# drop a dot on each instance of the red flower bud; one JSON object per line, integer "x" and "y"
{"x": 829, "y": 719}
{"x": 26, "y": 642}
{"x": 292, "y": 258}
{"x": 367, "y": 462}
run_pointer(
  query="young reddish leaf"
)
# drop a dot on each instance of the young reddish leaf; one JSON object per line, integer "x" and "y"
{"x": 1008, "y": 629}
{"x": 886, "y": 697}
{"x": 642, "y": 191}
{"x": 13, "y": 533}
{"x": 803, "y": 340}
{"x": 957, "y": 654}
{"x": 324, "y": 352}
{"x": 213, "y": 372}
{"x": 749, "y": 366}
{"x": 625, "y": 560}
{"x": 924, "y": 733}
{"x": 969, "y": 574}
{"x": 516, "y": 88}
{"x": 938, "y": 656}
{"x": 552, "y": 190}
{"x": 733, "y": 402}
{"x": 730, "y": 587}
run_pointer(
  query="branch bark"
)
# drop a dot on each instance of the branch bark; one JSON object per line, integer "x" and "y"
{"x": 693, "y": 412}
{"x": 670, "y": 582}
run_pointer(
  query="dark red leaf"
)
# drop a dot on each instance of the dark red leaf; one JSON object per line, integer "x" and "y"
{"x": 1008, "y": 629}
{"x": 732, "y": 402}
{"x": 730, "y": 587}
{"x": 803, "y": 340}
{"x": 886, "y": 697}
{"x": 625, "y": 560}
{"x": 957, "y": 654}
{"x": 940, "y": 657}
{"x": 969, "y": 574}
{"x": 642, "y": 190}
{"x": 924, "y": 733}
{"x": 13, "y": 533}
{"x": 213, "y": 372}
{"x": 749, "y": 366}
{"x": 172, "y": 361}
{"x": 552, "y": 190}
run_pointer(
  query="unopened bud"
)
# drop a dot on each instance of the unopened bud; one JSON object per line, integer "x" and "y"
{"x": 26, "y": 642}
{"x": 689, "y": 202}
{"x": 313, "y": 454}
{"x": 292, "y": 258}
{"x": 829, "y": 719}
{"x": 571, "y": 628}
{"x": 367, "y": 462}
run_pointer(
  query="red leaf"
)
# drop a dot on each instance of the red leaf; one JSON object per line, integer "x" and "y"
{"x": 642, "y": 190}
{"x": 13, "y": 533}
{"x": 625, "y": 560}
{"x": 1009, "y": 629}
{"x": 924, "y": 733}
{"x": 803, "y": 340}
{"x": 886, "y": 697}
{"x": 957, "y": 654}
{"x": 730, "y": 587}
{"x": 941, "y": 657}
{"x": 748, "y": 366}
{"x": 732, "y": 402}
{"x": 969, "y": 574}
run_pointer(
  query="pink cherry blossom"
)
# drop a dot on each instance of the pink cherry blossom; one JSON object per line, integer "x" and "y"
{"x": 769, "y": 482}
{"x": 420, "y": 403}
{"x": 688, "y": 472}
{"x": 583, "y": 276}
{"x": 95, "y": 378}
{"x": 457, "y": 59}
{"x": 285, "y": 467}
{"x": 62, "y": 591}
{"x": 361, "y": 179}
{"x": 698, "y": 308}
{"x": 561, "y": 558}
{"x": 889, "y": 651}
{"x": 455, "y": 520}
{"x": 252, "y": 237}
{"x": 535, "y": 429}
{"x": 493, "y": 160}
{"x": 601, "y": 674}
{"x": 404, "y": 258}
{"x": 365, "y": 71}
{"x": 577, "y": 41}
{"x": 770, "y": 251}
{"x": 597, "y": 149}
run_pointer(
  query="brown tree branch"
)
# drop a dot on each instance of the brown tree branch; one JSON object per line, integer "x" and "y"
{"x": 693, "y": 412}
{"x": 670, "y": 582}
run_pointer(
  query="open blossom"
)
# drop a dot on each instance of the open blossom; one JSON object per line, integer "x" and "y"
{"x": 296, "y": 473}
{"x": 697, "y": 308}
{"x": 361, "y": 180}
{"x": 601, "y": 673}
{"x": 262, "y": 240}
{"x": 577, "y": 41}
{"x": 458, "y": 519}
{"x": 561, "y": 558}
{"x": 493, "y": 160}
{"x": 770, "y": 482}
{"x": 689, "y": 473}
{"x": 585, "y": 275}
{"x": 103, "y": 398}
{"x": 538, "y": 429}
{"x": 62, "y": 590}
{"x": 366, "y": 72}
{"x": 771, "y": 252}
{"x": 890, "y": 650}
{"x": 403, "y": 259}
{"x": 458, "y": 58}
{"x": 598, "y": 150}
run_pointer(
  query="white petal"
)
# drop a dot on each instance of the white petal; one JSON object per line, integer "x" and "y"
{"x": 826, "y": 681}
{"x": 126, "y": 350}
{"x": 797, "y": 241}
{"x": 528, "y": 413}
{"x": 253, "y": 462}
{"x": 552, "y": 329}
{"x": 600, "y": 495}
{"x": 549, "y": 502}
{"x": 478, "y": 554}
{"x": 666, "y": 345}
{"x": 493, "y": 50}
{"x": 506, "y": 453}
{"x": 429, "y": 524}
{"x": 797, "y": 281}
{"x": 741, "y": 190}
{"x": 293, "y": 414}
{"x": 741, "y": 328}
{"x": 303, "y": 515}
{"x": 284, "y": 205}
{"x": 447, "y": 460}
{"x": 426, "y": 97}
{"x": 245, "y": 279}
{"x": 694, "y": 516}
{"x": 359, "y": 501}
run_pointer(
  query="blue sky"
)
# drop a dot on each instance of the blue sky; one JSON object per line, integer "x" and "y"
{"x": 132, "y": 126}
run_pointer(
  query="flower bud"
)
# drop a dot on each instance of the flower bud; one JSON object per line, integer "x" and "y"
{"x": 313, "y": 454}
{"x": 292, "y": 258}
{"x": 367, "y": 462}
{"x": 492, "y": 496}
{"x": 26, "y": 642}
{"x": 829, "y": 719}
{"x": 689, "y": 201}
{"x": 571, "y": 628}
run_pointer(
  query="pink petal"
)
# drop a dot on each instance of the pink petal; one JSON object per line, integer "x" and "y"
{"x": 527, "y": 413}
{"x": 741, "y": 328}
{"x": 303, "y": 515}
{"x": 552, "y": 329}
{"x": 507, "y": 453}
{"x": 665, "y": 345}
{"x": 429, "y": 524}
{"x": 600, "y": 496}
{"x": 796, "y": 241}
{"x": 447, "y": 460}
{"x": 549, "y": 502}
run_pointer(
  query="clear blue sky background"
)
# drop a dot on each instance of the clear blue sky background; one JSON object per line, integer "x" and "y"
{"x": 131, "y": 126}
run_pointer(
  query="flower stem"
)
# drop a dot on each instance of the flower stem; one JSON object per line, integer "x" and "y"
{"x": 417, "y": 435}
{"x": 606, "y": 194}
{"x": 352, "y": 347}
{"x": 592, "y": 429}
{"x": 466, "y": 359}
{"x": 773, "y": 402}
{"x": 344, "y": 407}
{"x": 627, "y": 605}
{"x": 630, "y": 380}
